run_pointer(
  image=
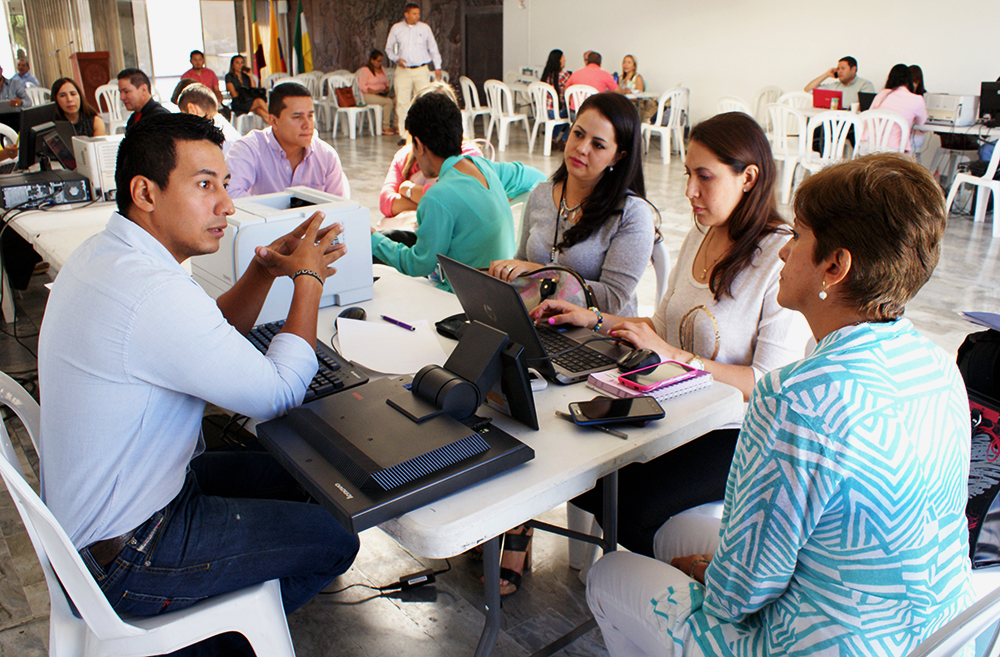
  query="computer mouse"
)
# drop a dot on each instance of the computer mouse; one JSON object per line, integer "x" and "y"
{"x": 637, "y": 359}
{"x": 354, "y": 312}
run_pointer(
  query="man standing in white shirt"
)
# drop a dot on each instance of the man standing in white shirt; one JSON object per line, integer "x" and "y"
{"x": 411, "y": 46}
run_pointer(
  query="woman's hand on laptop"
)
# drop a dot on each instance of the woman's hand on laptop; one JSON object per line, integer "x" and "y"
{"x": 554, "y": 312}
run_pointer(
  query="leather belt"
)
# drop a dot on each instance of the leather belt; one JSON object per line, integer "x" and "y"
{"x": 419, "y": 65}
{"x": 106, "y": 551}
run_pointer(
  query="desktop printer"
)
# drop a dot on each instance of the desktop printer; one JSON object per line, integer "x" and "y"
{"x": 95, "y": 159}
{"x": 951, "y": 110}
{"x": 259, "y": 220}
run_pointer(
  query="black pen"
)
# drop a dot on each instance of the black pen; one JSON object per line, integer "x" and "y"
{"x": 398, "y": 323}
{"x": 599, "y": 427}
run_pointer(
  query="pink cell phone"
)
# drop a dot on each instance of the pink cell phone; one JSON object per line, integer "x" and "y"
{"x": 657, "y": 376}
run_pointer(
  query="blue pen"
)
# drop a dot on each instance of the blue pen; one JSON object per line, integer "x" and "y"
{"x": 398, "y": 323}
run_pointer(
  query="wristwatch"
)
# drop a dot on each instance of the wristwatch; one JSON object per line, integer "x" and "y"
{"x": 409, "y": 190}
{"x": 696, "y": 363}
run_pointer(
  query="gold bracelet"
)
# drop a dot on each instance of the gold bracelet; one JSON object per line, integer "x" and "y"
{"x": 695, "y": 565}
{"x": 307, "y": 272}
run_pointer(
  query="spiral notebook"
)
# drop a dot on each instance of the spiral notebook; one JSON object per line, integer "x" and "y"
{"x": 607, "y": 383}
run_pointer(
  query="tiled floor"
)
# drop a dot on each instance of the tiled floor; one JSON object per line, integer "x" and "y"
{"x": 445, "y": 619}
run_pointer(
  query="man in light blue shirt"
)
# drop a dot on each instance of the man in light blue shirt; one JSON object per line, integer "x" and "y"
{"x": 411, "y": 46}
{"x": 131, "y": 350}
{"x": 24, "y": 73}
{"x": 12, "y": 90}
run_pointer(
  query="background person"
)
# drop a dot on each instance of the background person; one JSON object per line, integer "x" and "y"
{"x": 720, "y": 313}
{"x": 899, "y": 97}
{"x": 555, "y": 74}
{"x": 630, "y": 81}
{"x": 592, "y": 74}
{"x": 199, "y": 100}
{"x": 844, "y": 78}
{"x": 199, "y": 73}
{"x": 411, "y": 46}
{"x": 244, "y": 95}
{"x": 843, "y": 511}
{"x": 12, "y": 90}
{"x": 24, "y": 73}
{"x": 593, "y": 216}
{"x": 374, "y": 86}
{"x": 73, "y": 107}
{"x": 289, "y": 152}
{"x": 135, "y": 91}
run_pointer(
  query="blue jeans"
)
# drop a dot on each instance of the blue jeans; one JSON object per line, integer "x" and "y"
{"x": 563, "y": 129}
{"x": 233, "y": 524}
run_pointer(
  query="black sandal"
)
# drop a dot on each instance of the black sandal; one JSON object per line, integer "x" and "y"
{"x": 516, "y": 541}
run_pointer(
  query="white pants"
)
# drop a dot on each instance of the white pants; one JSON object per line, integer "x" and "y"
{"x": 642, "y": 604}
{"x": 408, "y": 82}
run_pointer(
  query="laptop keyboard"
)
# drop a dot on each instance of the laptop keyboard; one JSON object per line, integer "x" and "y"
{"x": 580, "y": 359}
{"x": 334, "y": 375}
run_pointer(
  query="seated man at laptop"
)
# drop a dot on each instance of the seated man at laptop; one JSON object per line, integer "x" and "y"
{"x": 843, "y": 78}
{"x": 287, "y": 153}
{"x": 131, "y": 350}
{"x": 466, "y": 215}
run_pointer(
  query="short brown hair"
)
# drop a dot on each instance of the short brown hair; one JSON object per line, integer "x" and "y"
{"x": 199, "y": 95}
{"x": 887, "y": 211}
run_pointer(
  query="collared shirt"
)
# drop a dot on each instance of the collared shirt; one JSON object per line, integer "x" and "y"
{"x": 850, "y": 91}
{"x": 27, "y": 79}
{"x": 151, "y": 108}
{"x": 130, "y": 350}
{"x": 13, "y": 88}
{"x": 595, "y": 76}
{"x": 414, "y": 44}
{"x": 207, "y": 77}
{"x": 259, "y": 165}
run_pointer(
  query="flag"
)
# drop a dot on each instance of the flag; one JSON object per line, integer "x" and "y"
{"x": 275, "y": 60}
{"x": 302, "y": 44}
{"x": 257, "y": 56}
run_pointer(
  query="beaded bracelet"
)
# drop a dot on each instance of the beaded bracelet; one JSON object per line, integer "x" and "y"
{"x": 307, "y": 272}
{"x": 695, "y": 565}
{"x": 600, "y": 318}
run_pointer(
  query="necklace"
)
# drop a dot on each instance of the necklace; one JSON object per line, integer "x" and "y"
{"x": 565, "y": 214}
{"x": 708, "y": 242}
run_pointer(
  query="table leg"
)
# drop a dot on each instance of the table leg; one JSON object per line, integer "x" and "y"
{"x": 610, "y": 524}
{"x": 491, "y": 593}
{"x": 8, "y": 297}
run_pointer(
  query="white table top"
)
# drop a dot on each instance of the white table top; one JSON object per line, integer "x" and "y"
{"x": 55, "y": 233}
{"x": 568, "y": 459}
{"x": 977, "y": 129}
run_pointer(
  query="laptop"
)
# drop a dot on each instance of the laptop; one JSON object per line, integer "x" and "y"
{"x": 865, "y": 99}
{"x": 822, "y": 98}
{"x": 498, "y": 304}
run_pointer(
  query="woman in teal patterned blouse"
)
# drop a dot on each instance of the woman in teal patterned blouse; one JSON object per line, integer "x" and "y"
{"x": 843, "y": 530}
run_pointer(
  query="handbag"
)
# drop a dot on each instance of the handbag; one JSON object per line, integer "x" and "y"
{"x": 554, "y": 282}
{"x": 345, "y": 97}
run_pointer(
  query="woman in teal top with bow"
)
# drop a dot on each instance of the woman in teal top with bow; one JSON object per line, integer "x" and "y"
{"x": 843, "y": 530}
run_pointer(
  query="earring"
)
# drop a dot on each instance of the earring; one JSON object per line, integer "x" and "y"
{"x": 822, "y": 293}
{"x": 746, "y": 189}
{"x": 611, "y": 168}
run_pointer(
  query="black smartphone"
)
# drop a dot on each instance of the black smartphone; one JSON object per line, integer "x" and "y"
{"x": 607, "y": 410}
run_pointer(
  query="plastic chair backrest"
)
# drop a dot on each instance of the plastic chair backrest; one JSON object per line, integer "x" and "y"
{"x": 836, "y": 128}
{"x": 310, "y": 82}
{"x": 499, "y": 98}
{"x": 540, "y": 91}
{"x": 9, "y": 134}
{"x": 964, "y": 629}
{"x": 486, "y": 148}
{"x": 273, "y": 79}
{"x": 108, "y": 93}
{"x": 733, "y": 104}
{"x": 678, "y": 102}
{"x": 661, "y": 266}
{"x": 879, "y": 126}
{"x": 799, "y": 99}
{"x": 470, "y": 95}
{"x": 788, "y": 128}
{"x": 38, "y": 95}
{"x": 576, "y": 94}
{"x": 764, "y": 97}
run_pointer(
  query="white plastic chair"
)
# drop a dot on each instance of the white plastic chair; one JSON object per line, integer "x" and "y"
{"x": 878, "y": 126}
{"x": 8, "y": 137}
{"x": 797, "y": 99}
{"x": 575, "y": 95}
{"x": 836, "y": 127}
{"x": 109, "y": 97}
{"x": 673, "y": 131}
{"x": 986, "y": 184}
{"x": 352, "y": 113}
{"x": 734, "y": 104}
{"x": 486, "y": 148}
{"x": 661, "y": 267}
{"x": 274, "y": 78}
{"x": 788, "y": 142}
{"x": 473, "y": 109}
{"x": 540, "y": 93}
{"x": 244, "y": 123}
{"x": 964, "y": 629}
{"x": 764, "y": 97}
{"x": 38, "y": 95}
{"x": 500, "y": 100}
{"x": 256, "y": 611}
{"x": 310, "y": 82}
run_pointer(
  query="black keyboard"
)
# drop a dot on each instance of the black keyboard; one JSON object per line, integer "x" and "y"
{"x": 335, "y": 374}
{"x": 580, "y": 359}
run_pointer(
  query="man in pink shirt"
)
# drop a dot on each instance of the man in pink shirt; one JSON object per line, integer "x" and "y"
{"x": 204, "y": 75}
{"x": 592, "y": 74}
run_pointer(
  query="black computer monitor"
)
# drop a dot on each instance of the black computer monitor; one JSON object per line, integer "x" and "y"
{"x": 989, "y": 100}
{"x": 30, "y": 118}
